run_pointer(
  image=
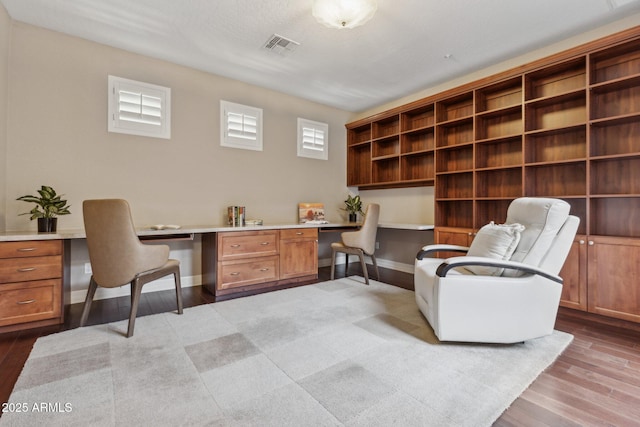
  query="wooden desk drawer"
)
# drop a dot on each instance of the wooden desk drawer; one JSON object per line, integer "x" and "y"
{"x": 33, "y": 248}
{"x": 30, "y": 268}
{"x": 233, "y": 274}
{"x": 241, "y": 244}
{"x": 30, "y": 301}
{"x": 299, "y": 233}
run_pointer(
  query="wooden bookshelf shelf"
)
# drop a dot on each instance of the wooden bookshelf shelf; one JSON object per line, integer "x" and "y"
{"x": 565, "y": 127}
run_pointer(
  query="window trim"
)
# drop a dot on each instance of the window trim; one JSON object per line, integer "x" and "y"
{"x": 249, "y": 135}
{"x": 313, "y": 153}
{"x": 119, "y": 124}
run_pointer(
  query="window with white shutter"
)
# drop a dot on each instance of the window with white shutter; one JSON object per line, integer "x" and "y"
{"x": 313, "y": 139}
{"x": 139, "y": 108}
{"x": 240, "y": 126}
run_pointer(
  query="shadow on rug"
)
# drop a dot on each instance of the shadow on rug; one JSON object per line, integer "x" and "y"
{"x": 333, "y": 353}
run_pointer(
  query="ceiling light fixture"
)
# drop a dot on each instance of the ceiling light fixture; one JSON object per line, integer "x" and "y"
{"x": 343, "y": 13}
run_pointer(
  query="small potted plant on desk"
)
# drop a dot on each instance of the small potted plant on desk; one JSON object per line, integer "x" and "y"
{"x": 353, "y": 205}
{"x": 48, "y": 207}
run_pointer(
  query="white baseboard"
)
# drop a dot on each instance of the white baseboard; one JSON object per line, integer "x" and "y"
{"x": 393, "y": 265}
{"x": 165, "y": 284}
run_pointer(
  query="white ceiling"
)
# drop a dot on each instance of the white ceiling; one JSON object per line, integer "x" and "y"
{"x": 400, "y": 51}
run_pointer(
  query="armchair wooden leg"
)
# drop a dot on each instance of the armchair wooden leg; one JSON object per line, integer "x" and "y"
{"x": 88, "y": 300}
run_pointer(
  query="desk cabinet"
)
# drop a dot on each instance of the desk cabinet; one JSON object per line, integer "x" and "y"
{"x": 239, "y": 262}
{"x": 298, "y": 252}
{"x": 31, "y": 291}
{"x": 245, "y": 259}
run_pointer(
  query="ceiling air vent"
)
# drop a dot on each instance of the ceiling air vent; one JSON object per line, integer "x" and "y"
{"x": 281, "y": 45}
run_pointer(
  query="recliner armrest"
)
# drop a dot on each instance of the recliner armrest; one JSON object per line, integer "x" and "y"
{"x": 441, "y": 247}
{"x": 462, "y": 261}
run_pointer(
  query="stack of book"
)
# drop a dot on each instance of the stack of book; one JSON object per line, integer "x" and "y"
{"x": 236, "y": 216}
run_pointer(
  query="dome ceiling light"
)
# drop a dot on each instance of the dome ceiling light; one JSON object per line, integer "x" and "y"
{"x": 343, "y": 13}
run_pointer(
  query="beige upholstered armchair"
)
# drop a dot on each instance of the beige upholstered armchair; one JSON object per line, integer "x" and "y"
{"x": 118, "y": 257}
{"x": 360, "y": 243}
{"x": 506, "y": 288}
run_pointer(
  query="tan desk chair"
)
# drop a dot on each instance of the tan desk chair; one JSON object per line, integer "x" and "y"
{"x": 361, "y": 242}
{"x": 118, "y": 257}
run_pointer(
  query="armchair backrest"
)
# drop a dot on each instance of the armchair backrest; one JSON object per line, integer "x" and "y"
{"x": 115, "y": 251}
{"x": 548, "y": 229}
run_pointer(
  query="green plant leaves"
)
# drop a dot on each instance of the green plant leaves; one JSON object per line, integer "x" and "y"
{"x": 353, "y": 204}
{"x": 49, "y": 204}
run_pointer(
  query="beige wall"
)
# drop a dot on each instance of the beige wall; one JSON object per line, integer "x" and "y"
{"x": 58, "y": 136}
{"x": 5, "y": 39}
{"x": 53, "y": 101}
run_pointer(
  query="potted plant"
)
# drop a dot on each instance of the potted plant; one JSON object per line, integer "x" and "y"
{"x": 353, "y": 205}
{"x": 48, "y": 207}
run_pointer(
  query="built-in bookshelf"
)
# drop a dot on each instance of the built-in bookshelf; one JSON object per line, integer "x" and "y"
{"x": 567, "y": 126}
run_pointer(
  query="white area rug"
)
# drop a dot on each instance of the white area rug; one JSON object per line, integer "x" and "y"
{"x": 330, "y": 354}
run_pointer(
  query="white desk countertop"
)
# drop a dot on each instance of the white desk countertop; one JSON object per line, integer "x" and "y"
{"x": 12, "y": 236}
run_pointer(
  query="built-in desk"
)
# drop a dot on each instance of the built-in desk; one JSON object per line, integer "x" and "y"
{"x": 41, "y": 298}
{"x": 70, "y": 234}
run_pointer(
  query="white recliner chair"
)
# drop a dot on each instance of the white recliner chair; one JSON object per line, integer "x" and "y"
{"x": 506, "y": 289}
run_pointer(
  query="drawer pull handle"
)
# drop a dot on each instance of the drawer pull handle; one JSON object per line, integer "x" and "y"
{"x": 235, "y": 246}
{"x": 264, "y": 243}
{"x": 299, "y": 233}
{"x": 26, "y": 270}
{"x": 264, "y": 269}
{"x": 29, "y": 301}
{"x": 235, "y": 273}
{"x": 26, "y": 249}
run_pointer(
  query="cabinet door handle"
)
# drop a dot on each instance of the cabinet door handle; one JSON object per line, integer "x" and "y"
{"x": 29, "y": 301}
{"x": 235, "y": 246}
{"x": 26, "y": 269}
{"x": 591, "y": 243}
{"x": 264, "y": 269}
{"x": 26, "y": 249}
{"x": 235, "y": 273}
{"x": 581, "y": 242}
{"x": 264, "y": 243}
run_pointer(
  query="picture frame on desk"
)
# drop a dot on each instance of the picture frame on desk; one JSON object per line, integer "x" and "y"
{"x": 310, "y": 212}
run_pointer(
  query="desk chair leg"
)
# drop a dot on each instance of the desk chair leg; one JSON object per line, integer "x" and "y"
{"x": 87, "y": 302}
{"x": 176, "y": 276}
{"x": 375, "y": 264}
{"x": 364, "y": 267}
{"x": 136, "y": 290}
{"x": 333, "y": 264}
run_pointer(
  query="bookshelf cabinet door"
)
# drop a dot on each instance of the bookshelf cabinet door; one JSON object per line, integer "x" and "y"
{"x": 614, "y": 289}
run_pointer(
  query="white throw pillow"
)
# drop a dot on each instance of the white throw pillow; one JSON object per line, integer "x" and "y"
{"x": 497, "y": 241}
